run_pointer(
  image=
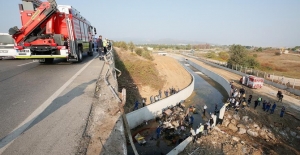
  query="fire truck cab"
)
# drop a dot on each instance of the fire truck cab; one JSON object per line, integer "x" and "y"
{"x": 52, "y": 31}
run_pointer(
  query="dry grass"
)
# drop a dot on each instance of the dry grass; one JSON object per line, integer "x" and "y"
{"x": 287, "y": 65}
{"x": 142, "y": 71}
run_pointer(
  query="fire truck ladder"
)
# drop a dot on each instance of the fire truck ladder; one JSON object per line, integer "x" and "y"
{"x": 72, "y": 47}
{"x": 35, "y": 22}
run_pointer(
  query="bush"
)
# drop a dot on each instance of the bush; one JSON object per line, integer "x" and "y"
{"x": 224, "y": 56}
{"x": 255, "y": 55}
{"x": 139, "y": 51}
{"x": 147, "y": 55}
{"x": 211, "y": 55}
{"x": 121, "y": 44}
{"x": 277, "y": 53}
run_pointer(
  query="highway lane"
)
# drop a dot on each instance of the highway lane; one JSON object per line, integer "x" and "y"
{"x": 25, "y": 85}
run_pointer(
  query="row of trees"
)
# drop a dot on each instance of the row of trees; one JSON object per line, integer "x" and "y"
{"x": 237, "y": 55}
{"x": 222, "y": 56}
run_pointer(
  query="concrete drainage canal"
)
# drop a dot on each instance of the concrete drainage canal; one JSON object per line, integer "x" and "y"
{"x": 172, "y": 125}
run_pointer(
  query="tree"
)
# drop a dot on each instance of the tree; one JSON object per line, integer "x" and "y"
{"x": 251, "y": 62}
{"x": 224, "y": 56}
{"x": 239, "y": 56}
{"x": 131, "y": 46}
{"x": 259, "y": 49}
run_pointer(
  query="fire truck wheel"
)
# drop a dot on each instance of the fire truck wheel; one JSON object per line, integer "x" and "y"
{"x": 90, "y": 53}
{"x": 79, "y": 54}
{"x": 49, "y": 60}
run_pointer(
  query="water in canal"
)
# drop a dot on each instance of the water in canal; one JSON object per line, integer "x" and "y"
{"x": 206, "y": 91}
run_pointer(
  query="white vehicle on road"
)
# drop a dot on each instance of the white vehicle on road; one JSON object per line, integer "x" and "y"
{"x": 7, "y": 45}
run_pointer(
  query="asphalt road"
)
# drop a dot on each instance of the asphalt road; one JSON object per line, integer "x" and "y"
{"x": 43, "y": 108}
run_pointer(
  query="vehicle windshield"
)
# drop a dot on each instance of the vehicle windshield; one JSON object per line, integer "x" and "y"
{"x": 6, "y": 39}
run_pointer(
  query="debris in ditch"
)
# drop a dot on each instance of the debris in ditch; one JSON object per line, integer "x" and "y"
{"x": 140, "y": 139}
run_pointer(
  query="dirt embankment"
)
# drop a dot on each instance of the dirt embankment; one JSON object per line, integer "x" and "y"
{"x": 143, "y": 78}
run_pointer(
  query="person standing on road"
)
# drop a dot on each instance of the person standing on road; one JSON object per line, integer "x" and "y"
{"x": 249, "y": 100}
{"x": 205, "y": 129}
{"x": 158, "y": 130}
{"x": 268, "y": 106}
{"x": 211, "y": 122}
{"x": 100, "y": 47}
{"x": 204, "y": 109}
{"x": 282, "y": 111}
{"x": 136, "y": 105}
{"x": 280, "y": 97}
{"x": 264, "y": 105}
{"x": 105, "y": 46}
{"x": 259, "y": 99}
{"x": 255, "y": 104}
{"x": 159, "y": 92}
{"x": 273, "y": 108}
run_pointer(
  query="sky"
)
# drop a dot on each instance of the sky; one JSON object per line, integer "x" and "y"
{"x": 266, "y": 23}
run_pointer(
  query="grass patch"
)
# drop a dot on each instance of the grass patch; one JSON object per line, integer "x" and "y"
{"x": 141, "y": 71}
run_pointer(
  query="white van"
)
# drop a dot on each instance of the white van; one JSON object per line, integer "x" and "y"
{"x": 7, "y": 45}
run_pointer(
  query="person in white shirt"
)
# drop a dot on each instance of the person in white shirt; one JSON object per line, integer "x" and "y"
{"x": 204, "y": 109}
{"x": 201, "y": 128}
{"x": 197, "y": 132}
{"x": 193, "y": 134}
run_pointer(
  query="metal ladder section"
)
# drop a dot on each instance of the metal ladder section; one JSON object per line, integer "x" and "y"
{"x": 71, "y": 40}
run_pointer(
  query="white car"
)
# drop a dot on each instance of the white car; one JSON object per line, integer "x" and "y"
{"x": 7, "y": 45}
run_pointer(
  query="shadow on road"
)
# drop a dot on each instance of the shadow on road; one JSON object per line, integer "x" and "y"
{"x": 55, "y": 105}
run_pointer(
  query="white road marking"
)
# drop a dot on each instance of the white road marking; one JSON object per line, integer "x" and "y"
{"x": 28, "y": 63}
{"x": 9, "y": 139}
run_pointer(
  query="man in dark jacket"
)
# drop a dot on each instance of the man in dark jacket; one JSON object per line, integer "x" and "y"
{"x": 100, "y": 47}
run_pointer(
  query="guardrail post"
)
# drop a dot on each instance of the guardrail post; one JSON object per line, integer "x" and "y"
{"x": 294, "y": 83}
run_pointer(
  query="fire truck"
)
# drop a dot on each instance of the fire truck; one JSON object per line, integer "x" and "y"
{"x": 52, "y": 31}
{"x": 252, "y": 81}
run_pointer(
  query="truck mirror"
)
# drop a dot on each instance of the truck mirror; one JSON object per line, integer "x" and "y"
{"x": 95, "y": 31}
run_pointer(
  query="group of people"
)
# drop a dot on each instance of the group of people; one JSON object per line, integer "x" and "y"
{"x": 103, "y": 46}
{"x": 171, "y": 91}
{"x": 203, "y": 128}
{"x": 238, "y": 99}
{"x": 155, "y": 98}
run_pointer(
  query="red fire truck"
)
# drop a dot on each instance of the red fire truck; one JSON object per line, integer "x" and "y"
{"x": 252, "y": 81}
{"x": 52, "y": 31}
